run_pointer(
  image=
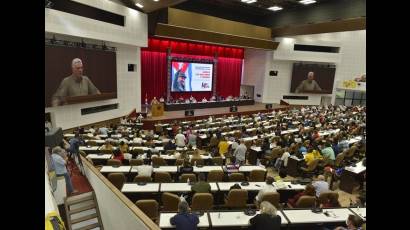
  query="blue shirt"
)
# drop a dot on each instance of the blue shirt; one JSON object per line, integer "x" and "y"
{"x": 320, "y": 186}
{"x": 343, "y": 145}
{"x": 302, "y": 149}
{"x": 59, "y": 164}
{"x": 185, "y": 221}
{"x": 74, "y": 145}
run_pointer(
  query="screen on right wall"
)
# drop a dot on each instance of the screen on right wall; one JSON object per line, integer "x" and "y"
{"x": 312, "y": 78}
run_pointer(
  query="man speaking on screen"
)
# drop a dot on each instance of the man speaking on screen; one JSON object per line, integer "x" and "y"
{"x": 179, "y": 82}
{"x": 308, "y": 85}
{"x": 74, "y": 85}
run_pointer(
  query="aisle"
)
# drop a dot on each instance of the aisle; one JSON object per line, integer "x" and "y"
{"x": 80, "y": 182}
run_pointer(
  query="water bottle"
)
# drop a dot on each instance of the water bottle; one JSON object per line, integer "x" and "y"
{"x": 195, "y": 163}
{"x": 187, "y": 181}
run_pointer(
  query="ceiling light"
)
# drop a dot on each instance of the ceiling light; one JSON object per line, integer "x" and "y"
{"x": 248, "y": 1}
{"x": 156, "y": 0}
{"x": 275, "y": 8}
{"x": 307, "y": 2}
{"x": 139, "y": 5}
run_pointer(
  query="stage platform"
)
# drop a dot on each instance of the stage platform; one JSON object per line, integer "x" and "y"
{"x": 170, "y": 116}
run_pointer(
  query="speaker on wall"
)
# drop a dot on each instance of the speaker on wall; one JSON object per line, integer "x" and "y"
{"x": 273, "y": 73}
{"x": 268, "y": 106}
{"x": 189, "y": 112}
{"x": 233, "y": 109}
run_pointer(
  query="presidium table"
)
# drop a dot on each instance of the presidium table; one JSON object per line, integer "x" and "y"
{"x": 209, "y": 104}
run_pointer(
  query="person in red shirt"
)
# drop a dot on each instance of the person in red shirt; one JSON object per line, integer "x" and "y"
{"x": 118, "y": 155}
{"x": 309, "y": 191}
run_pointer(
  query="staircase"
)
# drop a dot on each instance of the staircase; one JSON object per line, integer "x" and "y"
{"x": 82, "y": 212}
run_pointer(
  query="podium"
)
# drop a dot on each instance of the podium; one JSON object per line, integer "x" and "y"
{"x": 157, "y": 109}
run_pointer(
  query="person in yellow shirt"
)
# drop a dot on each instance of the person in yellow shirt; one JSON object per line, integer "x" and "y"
{"x": 312, "y": 155}
{"x": 223, "y": 147}
{"x": 107, "y": 145}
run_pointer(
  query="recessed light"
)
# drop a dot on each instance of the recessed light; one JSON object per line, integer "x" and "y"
{"x": 248, "y": 1}
{"x": 275, "y": 8}
{"x": 139, "y": 5}
{"x": 307, "y": 2}
{"x": 156, "y": 0}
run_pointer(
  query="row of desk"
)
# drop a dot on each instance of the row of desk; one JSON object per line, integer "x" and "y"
{"x": 289, "y": 217}
{"x": 174, "y": 169}
{"x": 215, "y": 187}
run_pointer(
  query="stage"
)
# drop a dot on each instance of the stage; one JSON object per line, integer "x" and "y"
{"x": 170, "y": 116}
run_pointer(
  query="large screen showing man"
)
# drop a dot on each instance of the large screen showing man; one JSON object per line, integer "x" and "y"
{"x": 191, "y": 76}
{"x": 74, "y": 85}
{"x": 308, "y": 85}
{"x": 312, "y": 78}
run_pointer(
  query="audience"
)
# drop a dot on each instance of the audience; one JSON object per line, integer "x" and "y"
{"x": 118, "y": 155}
{"x": 353, "y": 222}
{"x": 320, "y": 185}
{"x": 144, "y": 170}
{"x": 223, "y": 146}
{"x": 184, "y": 220}
{"x": 240, "y": 153}
{"x": 269, "y": 187}
{"x": 180, "y": 139}
{"x": 267, "y": 219}
{"x": 60, "y": 168}
{"x": 309, "y": 191}
{"x": 201, "y": 186}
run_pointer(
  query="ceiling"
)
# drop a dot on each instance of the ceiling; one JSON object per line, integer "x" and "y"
{"x": 150, "y": 5}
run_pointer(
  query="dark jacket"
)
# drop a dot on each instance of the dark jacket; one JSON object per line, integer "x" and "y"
{"x": 185, "y": 221}
{"x": 264, "y": 221}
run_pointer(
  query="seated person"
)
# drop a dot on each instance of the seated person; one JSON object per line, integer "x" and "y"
{"x": 162, "y": 100}
{"x": 331, "y": 202}
{"x": 184, "y": 220}
{"x": 201, "y": 186}
{"x": 235, "y": 186}
{"x": 123, "y": 147}
{"x": 144, "y": 170}
{"x": 328, "y": 152}
{"x": 320, "y": 185}
{"x": 267, "y": 219}
{"x": 192, "y": 138}
{"x": 204, "y": 100}
{"x": 312, "y": 155}
{"x": 180, "y": 139}
{"x": 213, "y": 98}
{"x": 192, "y": 99}
{"x": 139, "y": 118}
{"x": 186, "y": 168}
{"x": 309, "y": 191}
{"x": 352, "y": 222}
{"x": 118, "y": 155}
{"x": 170, "y": 146}
{"x": 267, "y": 188}
{"x": 107, "y": 145}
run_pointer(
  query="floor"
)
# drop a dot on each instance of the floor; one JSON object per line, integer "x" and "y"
{"x": 80, "y": 182}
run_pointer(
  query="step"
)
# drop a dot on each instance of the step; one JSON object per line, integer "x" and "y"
{"x": 87, "y": 217}
{"x": 87, "y": 227}
{"x": 80, "y": 205}
{"x": 83, "y": 213}
{"x": 82, "y": 209}
{"x": 79, "y": 200}
{"x": 74, "y": 198}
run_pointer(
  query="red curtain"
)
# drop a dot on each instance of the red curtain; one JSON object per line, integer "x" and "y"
{"x": 229, "y": 76}
{"x": 153, "y": 75}
{"x": 193, "y": 48}
{"x": 154, "y": 67}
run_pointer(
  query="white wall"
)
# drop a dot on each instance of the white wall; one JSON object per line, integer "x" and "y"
{"x": 350, "y": 63}
{"x": 126, "y": 39}
{"x": 256, "y": 67}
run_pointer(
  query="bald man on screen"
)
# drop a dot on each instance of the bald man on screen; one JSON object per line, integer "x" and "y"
{"x": 308, "y": 85}
{"x": 74, "y": 85}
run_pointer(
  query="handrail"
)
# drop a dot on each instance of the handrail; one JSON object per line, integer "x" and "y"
{"x": 137, "y": 212}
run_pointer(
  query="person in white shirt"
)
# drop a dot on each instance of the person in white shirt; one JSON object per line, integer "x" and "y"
{"x": 91, "y": 130}
{"x": 204, "y": 100}
{"x": 161, "y": 99}
{"x": 137, "y": 140}
{"x": 123, "y": 120}
{"x": 139, "y": 119}
{"x": 180, "y": 139}
{"x": 320, "y": 185}
{"x": 210, "y": 119}
{"x": 265, "y": 189}
{"x": 144, "y": 170}
{"x": 240, "y": 153}
{"x": 285, "y": 157}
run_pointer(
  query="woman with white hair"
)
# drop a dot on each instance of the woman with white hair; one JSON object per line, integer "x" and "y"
{"x": 267, "y": 219}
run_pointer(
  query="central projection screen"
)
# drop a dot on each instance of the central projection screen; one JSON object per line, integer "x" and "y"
{"x": 191, "y": 76}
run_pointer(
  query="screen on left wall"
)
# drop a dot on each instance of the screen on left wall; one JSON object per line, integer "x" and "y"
{"x": 77, "y": 75}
